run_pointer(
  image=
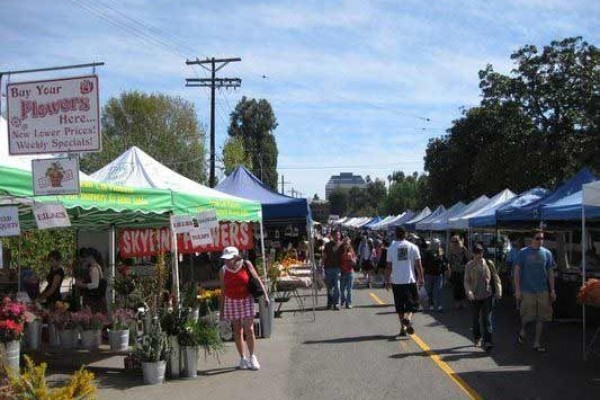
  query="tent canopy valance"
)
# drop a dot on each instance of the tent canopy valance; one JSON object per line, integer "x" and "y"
{"x": 100, "y": 205}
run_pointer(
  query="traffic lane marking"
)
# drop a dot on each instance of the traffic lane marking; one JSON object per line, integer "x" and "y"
{"x": 438, "y": 361}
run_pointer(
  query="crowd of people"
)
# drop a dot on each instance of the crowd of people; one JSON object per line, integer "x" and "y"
{"x": 416, "y": 270}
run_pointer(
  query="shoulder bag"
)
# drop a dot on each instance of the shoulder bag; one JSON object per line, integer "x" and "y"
{"x": 254, "y": 286}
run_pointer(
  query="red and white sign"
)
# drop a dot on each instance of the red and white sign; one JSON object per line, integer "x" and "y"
{"x": 149, "y": 242}
{"x": 55, "y": 176}
{"x": 54, "y": 116}
{"x": 48, "y": 216}
{"x": 9, "y": 221}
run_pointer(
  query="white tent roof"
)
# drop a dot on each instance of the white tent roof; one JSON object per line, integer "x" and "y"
{"x": 137, "y": 169}
{"x": 463, "y": 221}
{"x": 441, "y": 222}
{"x": 431, "y": 217}
{"x": 423, "y": 214}
{"x": 21, "y": 162}
{"x": 400, "y": 219}
{"x": 458, "y": 221}
{"x": 591, "y": 194}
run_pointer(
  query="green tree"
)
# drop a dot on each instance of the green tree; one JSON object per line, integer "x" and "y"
{"x": 165, "y": 127}
{"x": 338, "y": 200}
{"x": 534, "y": 127}
{"x": 255, "y": 122}
{"x": 405, "y": 193}
{"x": 234, "y": 154}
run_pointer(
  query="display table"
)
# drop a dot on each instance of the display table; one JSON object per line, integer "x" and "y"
{"x": 287, "y": 287}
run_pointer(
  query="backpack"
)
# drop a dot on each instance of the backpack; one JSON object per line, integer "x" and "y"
{"x": 493, "y": 274}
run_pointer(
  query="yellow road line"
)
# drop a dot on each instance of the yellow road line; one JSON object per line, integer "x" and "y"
{"x": 438, "y": 361}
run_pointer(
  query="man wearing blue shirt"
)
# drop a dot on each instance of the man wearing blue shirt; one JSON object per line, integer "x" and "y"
{"x": 534, "y": 287}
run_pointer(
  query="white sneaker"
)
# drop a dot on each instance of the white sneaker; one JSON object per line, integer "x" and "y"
{"x": 253, "y": 363}
{"x": 244, "y": 363}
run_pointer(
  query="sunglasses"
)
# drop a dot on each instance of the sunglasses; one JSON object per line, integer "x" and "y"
{"x": 538, "y": 238}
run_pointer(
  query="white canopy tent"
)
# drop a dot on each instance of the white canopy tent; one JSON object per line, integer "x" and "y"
{"x": 384, "y": 224}
{"x": 422, "y": 214}
{"x": 441, "y": 222}
{"x": 458, "y": 222}
{"x": 383, "y": 221}
{"x": 462, "y": 221}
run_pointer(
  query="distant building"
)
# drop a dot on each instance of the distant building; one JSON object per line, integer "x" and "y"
{"x": 320, "y": 210}
{"x": 346, "y": 181}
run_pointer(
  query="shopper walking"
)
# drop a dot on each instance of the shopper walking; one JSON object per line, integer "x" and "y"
{"x": 434, "y": 266}
{"x": 237, "y": 304}
{"x": 457, "y": 259}
{"x": 347, "y": 265}
{"x": 331, "y": 264}
{"x": 366, "y": 252}
{"x": 534, "y": 287}
{"x": 482, "y": 286}
{"x": 403, "y": 274}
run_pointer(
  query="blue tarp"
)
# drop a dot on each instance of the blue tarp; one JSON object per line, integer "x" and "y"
{"x": 275, "y": 206}
{"x": 488, "y": 218}
{"x": 532, "y": 211}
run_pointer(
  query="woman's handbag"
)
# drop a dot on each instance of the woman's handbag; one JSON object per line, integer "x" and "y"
{"x": 254, "y": 286}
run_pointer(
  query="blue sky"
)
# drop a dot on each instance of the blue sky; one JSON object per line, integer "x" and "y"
{"x": 356, "y": 86}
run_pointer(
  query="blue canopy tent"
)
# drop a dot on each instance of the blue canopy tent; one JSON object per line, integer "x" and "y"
{"x": 371, "y": 223}
{"x": 569, "y": 209}
{"x": 276, "y": 208}
{"x": 533, "y": 211}
{"x": 488, "y": 218}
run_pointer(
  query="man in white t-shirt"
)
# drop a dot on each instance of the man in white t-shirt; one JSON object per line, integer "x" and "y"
{"x": 402, "y": 274}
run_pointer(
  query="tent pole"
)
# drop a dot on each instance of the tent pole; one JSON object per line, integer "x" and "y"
{"x": 174, "y": 265}
{"x": 309, "y": 228}
{"x": 264, "y": 254}
{"x": 112, "y": 257}
{"x": 583, "y": 268}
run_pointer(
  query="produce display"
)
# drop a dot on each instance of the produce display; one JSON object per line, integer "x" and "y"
{"x": 590, "y": 293}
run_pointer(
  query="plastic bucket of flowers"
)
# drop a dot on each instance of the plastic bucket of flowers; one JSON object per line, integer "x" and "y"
{"x": 90, "y": 324}
{"x": 118, "y": 335}
{"x": 12, "y": 318}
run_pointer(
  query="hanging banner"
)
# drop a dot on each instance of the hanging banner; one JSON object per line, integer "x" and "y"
{"x": 49, "y": 215}
{"x": 149, "y": 242}
{"x": 182, "y": 223}
{"x": 9, "y": 221}
{"x": 207, "y": 220}
{"x": 55, "y": 176}
{"x": 54, "y": 116}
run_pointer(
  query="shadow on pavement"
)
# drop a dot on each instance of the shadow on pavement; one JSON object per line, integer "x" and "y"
{"x": 217, "y": 371}
{"x": 348, "y": 339}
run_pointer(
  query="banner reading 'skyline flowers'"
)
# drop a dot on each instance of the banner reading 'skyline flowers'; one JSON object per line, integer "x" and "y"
{"x": 54, "y": 116}
{"x": 149, "y": 242}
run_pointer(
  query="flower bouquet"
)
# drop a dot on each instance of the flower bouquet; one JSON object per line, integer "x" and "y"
{"x": 209, "y": 300}
{"x": 12, "y": 319}
{"x": 86, "y": 320}
{"x": 118, "y": 335}
{"x": 590, "y": 293}
{"x": 10, "y": 330}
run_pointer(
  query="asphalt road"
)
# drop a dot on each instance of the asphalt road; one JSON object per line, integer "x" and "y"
{"x": 352, "y": 354}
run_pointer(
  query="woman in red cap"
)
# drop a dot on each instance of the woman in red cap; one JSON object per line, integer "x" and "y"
{"x": 237, "y": 304}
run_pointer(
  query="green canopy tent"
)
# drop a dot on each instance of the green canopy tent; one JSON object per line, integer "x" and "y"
{"x": 101, "y": 206}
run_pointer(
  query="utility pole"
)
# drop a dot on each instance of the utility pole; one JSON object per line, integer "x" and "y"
{"x": 213, "y": 82}
{"x": 283, "y": 182}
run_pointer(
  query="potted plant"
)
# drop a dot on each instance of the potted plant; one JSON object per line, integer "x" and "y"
{"x": 55, "y": 172}
{"x": 153, "y": 351}
{"x": 189, "y": 339}
{"x": 12, "y": 318}
{"x": 190, "y": 302}
{"x": 90, "y": 324}
{"x": 118, "y": 335}
{"x": 172, "y": 322}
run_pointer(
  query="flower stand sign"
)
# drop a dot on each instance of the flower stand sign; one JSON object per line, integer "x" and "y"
{"x": 9, "y": 221}
{"x": 55, "y": 176}
{"x": 51, "y": 215}
{"x": 54, "y": 116}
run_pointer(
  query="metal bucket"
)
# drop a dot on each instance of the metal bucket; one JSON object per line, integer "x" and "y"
{"x": 174, "y": 358}
{"x": 189, "y": 356}
{"x": 33, "y": 335}
{"x": 10, "y": 354}
{"x": 119, "y": 340}
{"x": 154, "y": 372}
{"x": 53, "y": 335}
{"x": 90, "y": 339}
{"x": 68, "y": 338}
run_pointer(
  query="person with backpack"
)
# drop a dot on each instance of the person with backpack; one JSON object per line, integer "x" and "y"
{"x": 482, "y": 286}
